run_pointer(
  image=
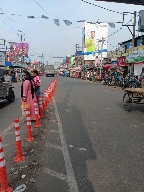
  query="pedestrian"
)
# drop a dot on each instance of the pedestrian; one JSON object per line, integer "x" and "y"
{"x": 37, "y": 82}
{"x": 7, "y": 77}
{"x": 28, "y": 94}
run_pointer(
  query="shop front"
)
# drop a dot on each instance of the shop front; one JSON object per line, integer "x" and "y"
{"x": 135, "y": 59}
{"x": 121, "y": 63}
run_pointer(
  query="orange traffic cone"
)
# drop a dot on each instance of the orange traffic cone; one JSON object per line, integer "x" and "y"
{"x": 37, "y": 124}
{"x": 3, "y": 174}
{"x": 29, "y": 129}
{"x": 43, "y": 102}
{"x": 19, "y": 156}
{"x": 40, "y": 107}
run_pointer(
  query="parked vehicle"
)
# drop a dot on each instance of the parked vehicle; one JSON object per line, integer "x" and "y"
{"x": 6, "y": 89}
{"x": 49, "y": 70}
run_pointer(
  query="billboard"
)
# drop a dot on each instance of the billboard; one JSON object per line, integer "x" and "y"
{"x": 93, "y": 34}
{"x": 19, "y": 49}
{"x": 135, "y": 2}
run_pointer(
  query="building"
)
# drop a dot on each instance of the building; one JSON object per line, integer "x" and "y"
{"x": 126, "y": 45}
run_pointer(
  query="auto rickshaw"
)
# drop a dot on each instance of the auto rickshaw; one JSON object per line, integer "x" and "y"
{"x": 6, "y": 89}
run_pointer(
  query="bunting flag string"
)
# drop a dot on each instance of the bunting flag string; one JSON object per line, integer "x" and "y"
{"x": 56, "y": 22}
{"x": 67, "y": 22}
{"x": 44, "y": 17}
{"x": 102, "y": 7}
{"x": 112, "y": 25}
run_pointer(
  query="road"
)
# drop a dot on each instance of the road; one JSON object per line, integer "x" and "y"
{"x": 91, "y": 143}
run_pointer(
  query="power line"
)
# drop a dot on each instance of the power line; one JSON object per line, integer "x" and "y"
{"x": 102, "y": 7}
{"x": 41, "y": 7}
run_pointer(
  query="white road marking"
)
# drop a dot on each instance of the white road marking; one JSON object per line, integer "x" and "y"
{"x": 53, "y": 146}
{"x": 52, "y": 113}
{"x": 56, "y": 174}
{"x": 70, "y": 174}
{"x": 82, "y": 149}
{"x": 54, "y": 131}
{"x": 52, "y": 120}
{"x": 10, "y": 127}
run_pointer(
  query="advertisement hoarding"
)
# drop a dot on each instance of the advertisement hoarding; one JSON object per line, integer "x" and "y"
{"x": 135, "y": 55}
{"x": 19, "y": 49}
{"x": 93, "y": 34}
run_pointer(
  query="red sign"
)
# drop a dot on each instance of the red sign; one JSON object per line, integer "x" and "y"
{"x": 121, "y": 61}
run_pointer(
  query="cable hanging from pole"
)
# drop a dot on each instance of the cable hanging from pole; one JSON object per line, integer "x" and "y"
{"x": 102, "y": 7}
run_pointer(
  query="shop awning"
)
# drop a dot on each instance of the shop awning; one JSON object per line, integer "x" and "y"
{"x": 8, "y": 64}
{"x": 16, "y": 67}
{"x": 108, "y": 66}
{"x": 77, "y": 69}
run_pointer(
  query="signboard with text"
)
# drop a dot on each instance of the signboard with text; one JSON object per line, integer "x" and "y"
{"x": 135, "y": 55}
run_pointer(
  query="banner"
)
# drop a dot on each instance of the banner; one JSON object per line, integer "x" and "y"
{"x": 93, "y": 34}
{"x": 138, "y": 69}
{"x": 135, "y": 55}
{"x": 19, "y": 49}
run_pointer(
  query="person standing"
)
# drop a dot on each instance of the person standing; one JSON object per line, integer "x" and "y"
{"x": 97, "y": 61}
{"x": 28, "y": 94}
{"x": 7, "y": 77}
{"x": 90, "y": 43}
{"x": 37, "y": 82}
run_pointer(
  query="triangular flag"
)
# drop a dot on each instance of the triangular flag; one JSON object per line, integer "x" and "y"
{"x": 30, "y": 17}
{"x": 56, "y": 21}
{"x": 112, "y": 25}
{"x": 44, "y": 17}
{"x": 67, "y": 22}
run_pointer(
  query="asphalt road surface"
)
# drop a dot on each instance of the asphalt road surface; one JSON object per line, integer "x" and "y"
{"x": 89, "y": 142}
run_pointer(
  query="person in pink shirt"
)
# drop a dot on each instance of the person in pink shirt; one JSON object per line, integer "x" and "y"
{"x": 37, "y": 82}
{"x": 28, "y": 94}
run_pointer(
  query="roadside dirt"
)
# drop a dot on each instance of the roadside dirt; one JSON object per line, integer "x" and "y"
{"x": 25, "y": 172}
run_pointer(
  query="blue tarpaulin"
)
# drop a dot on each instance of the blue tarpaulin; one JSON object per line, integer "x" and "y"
{"x": 8, "y": 64}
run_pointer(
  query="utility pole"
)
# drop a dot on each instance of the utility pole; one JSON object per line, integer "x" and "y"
{"x": 132, "y": 33}
{"x": 134, "y": 25}
{"x": 102, "y": 43}
{"x": 77, "y": 45}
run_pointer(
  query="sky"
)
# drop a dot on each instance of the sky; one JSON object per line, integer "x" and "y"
{"x": 44, "y": 37}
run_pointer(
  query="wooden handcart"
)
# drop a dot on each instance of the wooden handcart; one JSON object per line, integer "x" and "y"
{"x": 133, "y": 95}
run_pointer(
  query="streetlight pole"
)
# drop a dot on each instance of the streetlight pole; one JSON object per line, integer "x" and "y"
{"x": 77, "y": 45}
{"x": 102, "y": 43}
{"x": 132, "y": 33}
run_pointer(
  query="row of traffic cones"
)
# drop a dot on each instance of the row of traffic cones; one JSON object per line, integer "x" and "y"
{"x": 44, "y": 101}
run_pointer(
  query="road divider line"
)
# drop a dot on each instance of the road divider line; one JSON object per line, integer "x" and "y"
{"x": 70, "y": 173}
{"x": 56, "y": 174}
{"x": 53, "y": 146}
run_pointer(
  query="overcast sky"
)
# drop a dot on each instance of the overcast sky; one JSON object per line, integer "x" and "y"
{"x": 44, "y": 37}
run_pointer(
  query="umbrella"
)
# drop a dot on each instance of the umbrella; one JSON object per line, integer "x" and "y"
{"x": 78, "y": 69}
{"x": 108, "y": 66}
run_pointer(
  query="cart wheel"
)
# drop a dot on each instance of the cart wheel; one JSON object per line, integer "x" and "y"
{"x": 128, "y": 101}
